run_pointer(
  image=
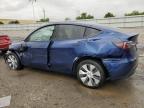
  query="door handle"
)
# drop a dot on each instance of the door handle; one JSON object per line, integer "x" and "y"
{"x": 93, "y": 39}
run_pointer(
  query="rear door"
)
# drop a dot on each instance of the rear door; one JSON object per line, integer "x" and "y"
{"x": 37, "y": 45}
{"x": 63, "y": 50}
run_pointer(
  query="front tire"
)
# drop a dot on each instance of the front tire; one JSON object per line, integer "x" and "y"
{"x": 90, "y": 73}
{"x": 2, "y": 52}
{"x": 13, "y": 61}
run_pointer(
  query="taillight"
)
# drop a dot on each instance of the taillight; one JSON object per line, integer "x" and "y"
{"x": 6, "y": 38}
{"x": 125, "y": 45}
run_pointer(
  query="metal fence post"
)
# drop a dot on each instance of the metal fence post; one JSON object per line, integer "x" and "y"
{"x": 124, "y": 21}
{"x": 142, "y": 21}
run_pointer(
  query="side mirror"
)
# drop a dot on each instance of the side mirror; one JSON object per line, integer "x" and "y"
{"x": 23, "y": 47}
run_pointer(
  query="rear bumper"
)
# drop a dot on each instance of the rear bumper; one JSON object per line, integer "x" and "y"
{"x": 120, "y": 68}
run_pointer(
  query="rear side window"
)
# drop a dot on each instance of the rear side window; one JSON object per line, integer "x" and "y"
{"x": 91, "y": 32}
{"x": 68, "y": 32}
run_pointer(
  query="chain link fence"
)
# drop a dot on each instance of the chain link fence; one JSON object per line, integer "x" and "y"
{"x": 131, "y": 24}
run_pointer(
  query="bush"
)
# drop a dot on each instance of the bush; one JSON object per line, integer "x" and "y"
{"x": 134, "y": 13}
{"x": 1, "y": 22}
{"x": 44, "y": 20}
{"x": 84, "y": 15}
{"x": 14, "y": 22}
{"x": 67, "y": 19}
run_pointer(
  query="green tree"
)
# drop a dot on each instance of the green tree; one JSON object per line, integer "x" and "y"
{"x": 14, "y": 22}
{"x": 135, "y": 12}
{"x": 1, "y": 22}
{"x": 90, "y": 17}
{"x": 109, "y": 14}
{"x": 84, "y": 15}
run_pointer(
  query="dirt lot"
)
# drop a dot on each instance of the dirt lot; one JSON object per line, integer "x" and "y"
{"x": 32, "y": 88}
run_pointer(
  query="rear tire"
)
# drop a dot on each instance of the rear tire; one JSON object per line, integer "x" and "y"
{"x": 13, "y": 61}
{"x": 90, "y": 73}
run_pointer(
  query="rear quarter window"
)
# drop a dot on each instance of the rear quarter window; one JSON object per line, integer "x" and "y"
{"x": 91, "y": 32}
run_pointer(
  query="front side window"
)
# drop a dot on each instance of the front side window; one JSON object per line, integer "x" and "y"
{"x": 43, "y": 34}
{"x": 68, "y": 32}
{"x": 91, "y": 32}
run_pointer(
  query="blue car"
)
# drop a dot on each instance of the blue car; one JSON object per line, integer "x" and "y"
{"x": 92, "y": 52}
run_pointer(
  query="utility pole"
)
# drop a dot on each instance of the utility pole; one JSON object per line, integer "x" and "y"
{"x": 77, "y": 12}
{"x": 33, "y": 1}
{"x": 44, "y": 14}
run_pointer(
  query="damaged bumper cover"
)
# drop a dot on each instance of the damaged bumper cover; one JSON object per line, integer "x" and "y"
{"x": 120, "y": 68}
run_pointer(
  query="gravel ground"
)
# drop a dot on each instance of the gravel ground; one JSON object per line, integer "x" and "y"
{"x": 32, "y": 88}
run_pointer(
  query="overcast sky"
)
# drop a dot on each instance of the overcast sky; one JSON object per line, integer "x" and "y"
{"x": 60, "y": 9}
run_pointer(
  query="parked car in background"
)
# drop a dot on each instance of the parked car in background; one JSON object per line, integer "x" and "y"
{"x": 91, "y": 52}
{"x": 4, "y": 43}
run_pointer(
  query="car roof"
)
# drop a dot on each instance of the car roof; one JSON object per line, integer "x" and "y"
{"x": 85, "y": 23}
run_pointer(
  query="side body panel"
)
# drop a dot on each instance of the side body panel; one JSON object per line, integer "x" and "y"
{"x": 36, "y": 55}
{"x": 63, "y": 54}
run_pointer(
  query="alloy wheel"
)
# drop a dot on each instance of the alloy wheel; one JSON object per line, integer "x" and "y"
{"x": 12, "y": 62}
{"x": 89, "y": 75}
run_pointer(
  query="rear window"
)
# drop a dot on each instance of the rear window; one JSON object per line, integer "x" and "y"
{"x": 91, "y": 32}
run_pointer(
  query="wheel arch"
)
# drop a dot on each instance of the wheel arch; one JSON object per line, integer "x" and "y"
{"x": 12, "y": 51}
{"x": 79, "y": 59}
{"x": 17, "y": 56}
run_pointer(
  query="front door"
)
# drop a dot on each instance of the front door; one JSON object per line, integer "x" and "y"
{"x": 37, "y": 54}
